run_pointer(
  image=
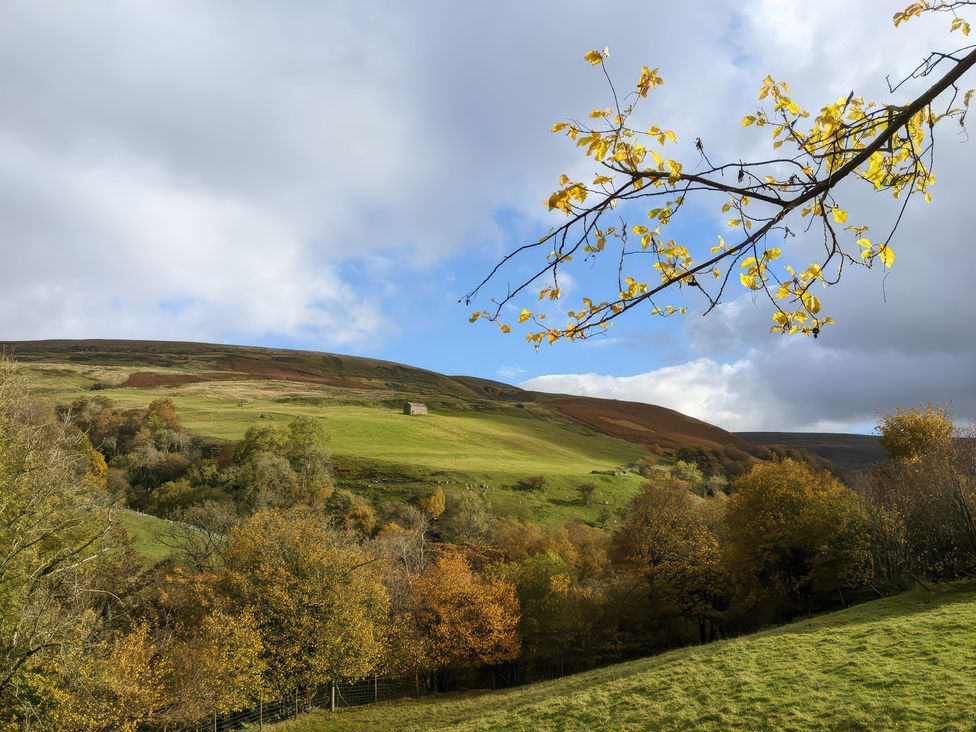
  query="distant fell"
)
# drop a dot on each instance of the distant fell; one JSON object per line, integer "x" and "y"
{"x": 854, "y": 452}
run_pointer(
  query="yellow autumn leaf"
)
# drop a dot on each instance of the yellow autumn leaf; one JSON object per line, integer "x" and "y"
{"x": 886, "y": 255}
{"x": 594, "y": 57}
{"x": 840, "y": 215}
{"x": 524, "y": 315}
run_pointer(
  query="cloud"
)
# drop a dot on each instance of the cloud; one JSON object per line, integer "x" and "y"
{"x": 794, "y": 387}
{"x": 235, "y": 157}
{"x": 724, "y": 394}
{"x": 903, "y": 336}
{"x": 510, "y": 372}
{"x": 330, "y": 175}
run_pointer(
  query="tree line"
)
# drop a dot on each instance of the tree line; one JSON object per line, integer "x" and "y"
{"x": 279, "y": 582}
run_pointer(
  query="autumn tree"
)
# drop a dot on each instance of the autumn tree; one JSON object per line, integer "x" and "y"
{"x": 558, "y": 575}
{"x": 687, "y": 472}
{"x": 665, "y": 540}
{"x": 640, "y": 189}
{"x": 350, "y": 511}
{"x": 926, "y": 493}
{"x": 404, "y": 547}
{"x": 912, "y": 434}
{"x": 54, "y": 515}
{"x": 279, "y": 467}
{"x": 164, "y": 411}
{"x": 795, "y": 535}
{"x": 434, "y": 504}
{"x": 465, "y": 620}
{"x": 307, "y": 452}
{"x": 157, "y": 676}
{"x": 320, "y": 607}
{"x": 559, "y": 621}
{"x": 198, "y": 533}
{"x": 467, "y": 519}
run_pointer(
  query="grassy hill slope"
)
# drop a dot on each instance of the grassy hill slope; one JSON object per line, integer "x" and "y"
{"x": 906, "y": 662}
{"x": 477, "y": 437}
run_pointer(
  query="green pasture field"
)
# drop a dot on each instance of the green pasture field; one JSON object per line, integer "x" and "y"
{"x": 902, "y": 663}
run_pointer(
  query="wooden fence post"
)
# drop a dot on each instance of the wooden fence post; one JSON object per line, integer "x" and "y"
{"x": 332, "y": 700}
{"x": 261, "y": 712}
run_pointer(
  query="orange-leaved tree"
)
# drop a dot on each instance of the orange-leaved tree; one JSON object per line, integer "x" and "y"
{"x": 464, "y": 619}
{"x": 887, "y": 145}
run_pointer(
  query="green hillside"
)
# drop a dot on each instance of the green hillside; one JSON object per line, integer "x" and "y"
{"x": 478, "y": 435}
{"x": 906, "y": 662}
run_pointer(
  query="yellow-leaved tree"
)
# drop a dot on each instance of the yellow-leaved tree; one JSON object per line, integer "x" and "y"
{"x": 320, "y": 609}
{"x": 888, "y": 145}
{"x": 795, "y": 535}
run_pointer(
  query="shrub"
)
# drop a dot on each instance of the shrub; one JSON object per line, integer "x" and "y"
{"x": 587, "y": 493}
{"x": 532, "y": 483}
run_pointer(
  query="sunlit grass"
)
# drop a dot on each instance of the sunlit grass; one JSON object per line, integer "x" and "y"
{"x": 473, "y": 444}
{"x": 144, "y": 531}
{"x": 906, "y": 662}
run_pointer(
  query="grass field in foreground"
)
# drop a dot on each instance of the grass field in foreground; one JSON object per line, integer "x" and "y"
{"x": 905, "y": 662}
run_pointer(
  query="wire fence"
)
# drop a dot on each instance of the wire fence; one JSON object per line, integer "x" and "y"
{"x": 335, "y": 696}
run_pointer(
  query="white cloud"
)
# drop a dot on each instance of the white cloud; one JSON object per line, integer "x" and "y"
{"x": 723, "y": 394}
{"x": 510, "y": 372}
{"x": 148, "y": 147}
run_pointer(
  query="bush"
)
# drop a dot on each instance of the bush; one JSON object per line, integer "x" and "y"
{"x": 687, "y": 472}
{"x": 587, "y": 493}
{"x": 533, "y": 483}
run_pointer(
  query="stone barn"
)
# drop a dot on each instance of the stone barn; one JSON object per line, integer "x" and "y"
{"x": 415, "y": 408}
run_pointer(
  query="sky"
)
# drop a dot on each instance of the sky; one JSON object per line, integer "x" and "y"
{"x": 334, "y": 176}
